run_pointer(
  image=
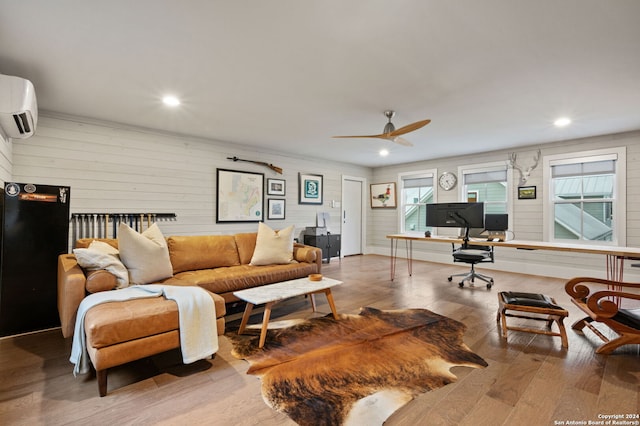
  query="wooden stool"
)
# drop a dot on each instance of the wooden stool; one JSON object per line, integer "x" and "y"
{"x": 544, "y": 306}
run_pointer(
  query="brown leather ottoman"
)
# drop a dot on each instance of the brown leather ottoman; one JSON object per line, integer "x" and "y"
{"x": 517, "y": 304}
{"x": 121, "y": 332}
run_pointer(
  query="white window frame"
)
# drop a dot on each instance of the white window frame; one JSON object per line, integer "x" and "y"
{"x": 619, "y": 192}
{"x": 488, "y": 167}
{"x": 430, "y": 173}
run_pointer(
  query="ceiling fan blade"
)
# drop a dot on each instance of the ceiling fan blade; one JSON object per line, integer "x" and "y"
{"x": 409, "y": 128}
{"x": 362, "y": 136}
{"x": 400, "y": 141}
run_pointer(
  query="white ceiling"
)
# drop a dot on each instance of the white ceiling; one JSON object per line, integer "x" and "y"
{"x": 288, "y": 74}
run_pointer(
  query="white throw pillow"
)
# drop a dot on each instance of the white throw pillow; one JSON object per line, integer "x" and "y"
{"x": 100, "y": 255}
{"x": 273, "y": 247}
{"x": 105, "y": 248}
{"x": 145, "y": 255}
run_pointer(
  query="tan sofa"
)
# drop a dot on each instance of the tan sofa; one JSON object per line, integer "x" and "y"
{"x": 121, "y": 332}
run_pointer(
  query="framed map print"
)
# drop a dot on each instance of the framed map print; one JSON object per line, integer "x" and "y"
{"x": 240, "y": 196}
{"x": 309, "y": 189}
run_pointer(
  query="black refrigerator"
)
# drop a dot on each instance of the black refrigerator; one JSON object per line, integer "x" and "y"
{"x": 35, "y": 230}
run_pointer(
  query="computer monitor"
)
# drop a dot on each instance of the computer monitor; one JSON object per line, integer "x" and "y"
{"x": 496, "y": 222}
{"x": 455, "y": 215}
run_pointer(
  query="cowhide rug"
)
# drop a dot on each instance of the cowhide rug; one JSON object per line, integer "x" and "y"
{"x": 358, "y": 369}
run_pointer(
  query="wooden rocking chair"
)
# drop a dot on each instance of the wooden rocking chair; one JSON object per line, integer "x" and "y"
{"x": 604, "y": 306}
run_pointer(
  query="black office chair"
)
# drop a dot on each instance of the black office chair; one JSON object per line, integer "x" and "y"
{"x": 472, "y": 254}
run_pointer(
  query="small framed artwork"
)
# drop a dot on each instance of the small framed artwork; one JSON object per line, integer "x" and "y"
{"x": 309, "y": 189}
{"x": 383, "y": 195}
{"x": 526, "y": 193}
{"x": 275, "y": 209}
{"x": 276, "y": 186}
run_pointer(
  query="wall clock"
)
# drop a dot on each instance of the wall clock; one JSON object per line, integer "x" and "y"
{"x": 447, "y": 181}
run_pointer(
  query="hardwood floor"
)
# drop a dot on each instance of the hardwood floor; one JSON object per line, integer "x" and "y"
{"x": 530, "y": 379}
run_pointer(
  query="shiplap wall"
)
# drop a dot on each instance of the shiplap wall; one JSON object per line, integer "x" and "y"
{"x": 113, "y": 168}
{"x": 6, "y": 159}
{"x": 527, "y": 214}
{"x": 117, "y": 169}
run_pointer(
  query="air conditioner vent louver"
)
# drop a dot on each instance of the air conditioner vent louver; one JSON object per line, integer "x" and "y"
{"x": 18, "y": 107}
{"x": 22, "y": 123}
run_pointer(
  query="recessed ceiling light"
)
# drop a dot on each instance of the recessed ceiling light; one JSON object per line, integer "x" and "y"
{"x": 562, "y": 121}
{"x": 171, "y": 100}
{"x": 384, "y": 152}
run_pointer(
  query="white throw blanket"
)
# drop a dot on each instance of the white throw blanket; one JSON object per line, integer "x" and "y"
{"x": 196, "y": 311}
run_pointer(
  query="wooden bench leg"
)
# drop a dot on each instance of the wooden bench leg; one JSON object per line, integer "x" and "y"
{"x": 502, "y": 320}
{"x": 563, "y": 332}
{"x": 102, "y": 381}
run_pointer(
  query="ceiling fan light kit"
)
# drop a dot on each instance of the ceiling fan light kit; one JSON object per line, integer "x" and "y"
{"x": 390, "y": 133}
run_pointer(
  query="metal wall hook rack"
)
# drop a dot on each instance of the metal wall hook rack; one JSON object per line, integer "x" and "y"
{"x": 96, "y": 225}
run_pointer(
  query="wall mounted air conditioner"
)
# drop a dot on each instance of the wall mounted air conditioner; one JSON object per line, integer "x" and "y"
{"x": 18, "y": 107}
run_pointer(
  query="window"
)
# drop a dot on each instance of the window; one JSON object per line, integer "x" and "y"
{"x": 416, "y": 191}
{"x": 488, "y": 185}
{"x": 586, "y": 197}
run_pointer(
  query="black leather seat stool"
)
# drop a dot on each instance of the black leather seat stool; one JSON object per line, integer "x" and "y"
{"x": 544, "y": 308}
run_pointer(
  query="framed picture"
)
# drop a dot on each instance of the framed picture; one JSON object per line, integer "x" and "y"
{"x": 275, "y": 208}
{"x": 383, "y": 195}
{"x": 276, "y": 186}
{"x": 309, "y": 189}
{"x": 240, "y": 196}
{"x": 526, "y": 193}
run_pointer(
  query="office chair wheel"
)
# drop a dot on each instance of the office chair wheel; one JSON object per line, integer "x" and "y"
{"x": 450, "y": 279}
{"x": 489, "y": 285}
{"x": 461, "y": 284}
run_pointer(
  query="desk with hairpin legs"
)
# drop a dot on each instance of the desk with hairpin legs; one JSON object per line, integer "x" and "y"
{"x": 614, "y": 255}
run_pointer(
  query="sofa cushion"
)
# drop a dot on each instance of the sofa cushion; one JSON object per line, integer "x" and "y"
{"x": 100, "y": 280}
{"x": 305, "y": 254}
{"x": 225, "y": 280}
{"x": 188, "y": 253}
{"x": 117, "y": 322}
{"x": 246, "y": 244}
{"x": 273, "y": 247}
{"x": 100, "y": 255}
{"x": 145, "y": 255}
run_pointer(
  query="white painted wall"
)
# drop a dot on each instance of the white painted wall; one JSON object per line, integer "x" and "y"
{"x": 6, "y": 159}
{"x": 527, "y": 214}
{"x": 112, "y": 168}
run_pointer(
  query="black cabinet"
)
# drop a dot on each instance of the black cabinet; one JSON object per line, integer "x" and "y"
{"x": 330, "y": 244}
{"x": 34, "y": 231}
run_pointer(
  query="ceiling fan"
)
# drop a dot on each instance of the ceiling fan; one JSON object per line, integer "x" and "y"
{"x": 390, "y": 132}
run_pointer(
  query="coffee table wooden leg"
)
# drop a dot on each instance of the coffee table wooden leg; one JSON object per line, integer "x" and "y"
{"x": 312, "y": 296}
{"x": 245, "y": 317}
{"x": 331, "y": 303}
{"x": 265, "y": 323}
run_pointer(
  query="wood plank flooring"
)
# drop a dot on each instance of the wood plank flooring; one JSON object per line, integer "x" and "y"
{"x": 530, "y": 379}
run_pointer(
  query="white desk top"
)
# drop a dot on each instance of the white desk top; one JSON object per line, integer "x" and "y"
{"x": 628, "y": 252}
{"x": 284, "y": 290}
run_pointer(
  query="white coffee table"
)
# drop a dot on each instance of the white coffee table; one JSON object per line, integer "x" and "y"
{"x": 273, "y": 293}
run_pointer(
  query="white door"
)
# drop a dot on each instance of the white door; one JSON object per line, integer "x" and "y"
{"x": 352, "y": 209}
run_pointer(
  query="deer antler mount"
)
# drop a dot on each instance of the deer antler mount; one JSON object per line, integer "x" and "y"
{"x": 524, "y": 173}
